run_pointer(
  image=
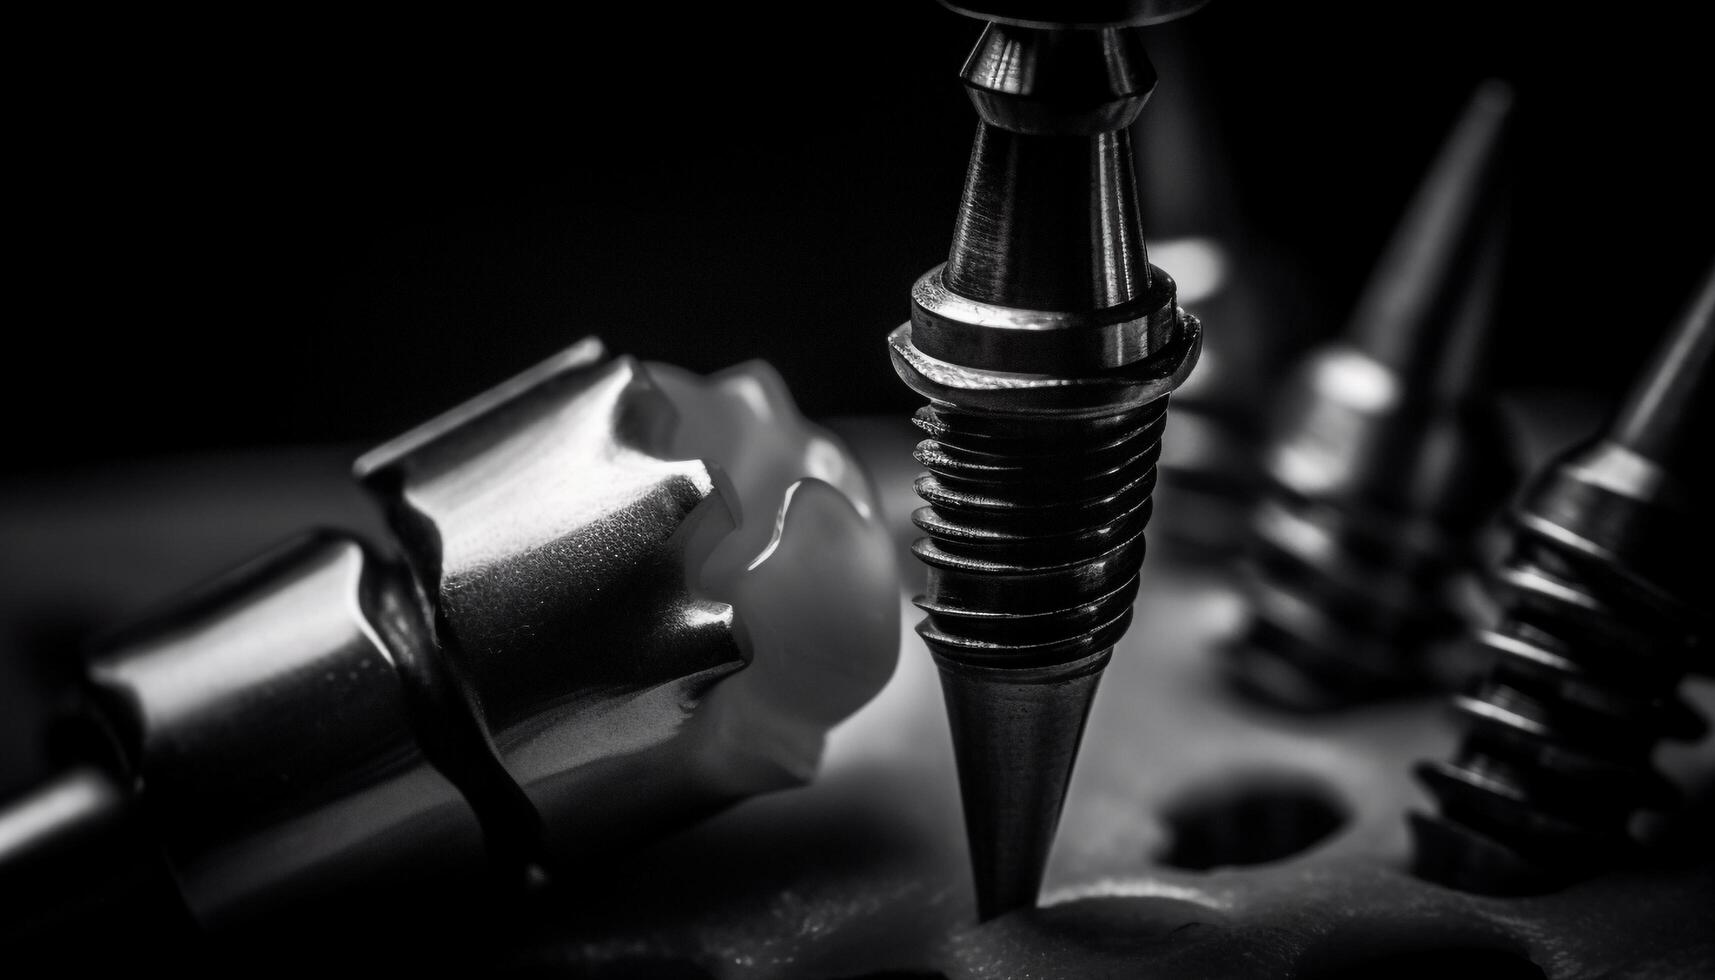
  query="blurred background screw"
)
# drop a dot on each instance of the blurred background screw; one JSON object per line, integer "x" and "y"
{"x": 1387, "y": 456}
{"x": 1604, "y": 606}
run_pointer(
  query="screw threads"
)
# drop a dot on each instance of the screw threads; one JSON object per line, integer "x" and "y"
{"x": 1556, "y": 757}
{"x": 1386, "y": 457}
{"x": 1346, "y": 599}
{"x": 1603, "y": 611}
{"x": 1038, "y": 490}
{"x": 1034, "y": 531}
{"x": 1046, "y": 346}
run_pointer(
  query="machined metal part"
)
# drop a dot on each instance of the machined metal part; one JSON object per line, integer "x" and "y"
{"x": 1204, "y": 836}
{"x": 1046, "y": 346}
{"x": 589, "y": 639}
{"x": 1388, "y": 455}
{"x": 1604, "y": 610}
{"x": 553, "y": 546}
{"x": 267, "y": 724}
{"x": 1076, "y": 14}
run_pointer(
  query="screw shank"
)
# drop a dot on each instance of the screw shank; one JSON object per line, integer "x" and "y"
{"x": 1049, "y": 217}
{"x": 1047, "y": 346}
{"x": 1049, "y": 223}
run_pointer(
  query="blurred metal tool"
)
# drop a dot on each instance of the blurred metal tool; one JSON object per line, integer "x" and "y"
{"x": 590, "y": 638}
{"x": 1046, "y": 346}
{"x": 1605, "y": 608}
{"x": 1388, "y": 455}
{"x": 1228, "y": 272}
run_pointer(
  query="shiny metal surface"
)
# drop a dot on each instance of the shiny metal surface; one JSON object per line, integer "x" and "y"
{"x": 1071, "y": 397}
{"x": 1604, "y": 610}
{"x": 986, "y": 336}
{"x": 1077, "y": 13}
{"x": 557, "y": 674}
{"x": 64, "y": 807}
{"x": 865, "y": 871}
{"x": 268, "y": 724}
{"x": 60, "y": 840}
{"x": 568, "y": 554}
{"x": 1048, "y": 220}
{"x": 1055, "y": 83}
{"x": 555, "y": 548}
{"x": 1046, "y": 346}
{"x": 1387, "y": 454}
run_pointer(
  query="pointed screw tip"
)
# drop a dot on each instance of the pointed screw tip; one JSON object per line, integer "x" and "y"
{"x": 1015, "y": 737}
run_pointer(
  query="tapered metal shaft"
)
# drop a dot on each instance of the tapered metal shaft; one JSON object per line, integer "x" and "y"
{"x": 1046, "y": 346}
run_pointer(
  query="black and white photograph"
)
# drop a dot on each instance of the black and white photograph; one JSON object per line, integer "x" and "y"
{"x": 940, "y": 490}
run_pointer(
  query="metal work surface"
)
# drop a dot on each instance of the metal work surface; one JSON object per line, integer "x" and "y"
{"x": 864, "y": 871}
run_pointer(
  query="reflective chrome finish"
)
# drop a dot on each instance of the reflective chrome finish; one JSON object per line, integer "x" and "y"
{"x": 554, "y": 547}
{"x": 268, "y": 724}
{"x": 1046, "y": 346}
{"x": 593, "y": 636}
{"x": 1085, "y": 14}
{"x": 567, "y": 554}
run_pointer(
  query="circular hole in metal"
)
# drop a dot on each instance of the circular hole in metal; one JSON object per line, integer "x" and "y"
{"x": 1438, "y": 964}
{"x": 1252, "y": 819}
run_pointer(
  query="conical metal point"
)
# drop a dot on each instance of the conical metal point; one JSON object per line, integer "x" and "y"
{"x": 1387, "y": 456}
{"x": 1015, "y": 736}
{"x": 1412, "y": 297}
{"x": 1667, "y": 409}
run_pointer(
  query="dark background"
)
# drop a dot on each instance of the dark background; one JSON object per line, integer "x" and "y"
{"x": 257, "y": 232}
{"x": 254, "y": 232}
